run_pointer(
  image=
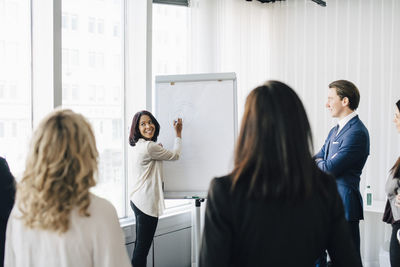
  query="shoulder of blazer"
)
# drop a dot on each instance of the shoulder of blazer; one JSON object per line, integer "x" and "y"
{"x": 7, "y": 181}
{"x": 359, "y": 126}
{"x": 354, "y": 125}
{"x": 4, "y": 166}
{"x": 222, "y": 182}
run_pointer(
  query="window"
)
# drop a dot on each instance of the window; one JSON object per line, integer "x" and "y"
{"x": 1, "y": 129}
{"x": 75, "y": 93}
{"x": 13, "y": 51}
{"x": 117, "y": 62}
{"x": 92, "y": 93}
{"x": 2, "y": 90}
{"x": 116, "y": 93}
{"x": 92, "y": 59}
{"x": 15, "y": 82}
{"x": 65, "y": 92}
{"x": 100, "y": 93}
{"x": 116, "y": 30}
{"x": 2, "y": 50}
{"x": 65, "y": 56}
{"x": 91, "y": 26}
{"x": 64, "y": 21}
{"x": 170, "y": 29}
{"x": 100, "y": 26}
{"x": 74, "y": 22}
{"x": 14, "y": 129}
{"x": 13, "y": 9}
{"x": 170, "y": 55}
{"x": 13, "y": 91}
{"x": 92, "y": 86}
{"x": 74, "y": 57}
{"x": 100, "y": 60}
{"x": 116, "y": 126}
{"x": 69, "y": 21}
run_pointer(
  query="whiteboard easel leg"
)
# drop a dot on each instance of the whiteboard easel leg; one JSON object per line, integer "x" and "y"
{"x": 197, "y": 229}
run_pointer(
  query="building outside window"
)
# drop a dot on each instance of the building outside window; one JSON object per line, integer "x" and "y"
{"x": 93, "y": 85}
{"x": 15, "y": 82}
{"x": 170, "y": 49}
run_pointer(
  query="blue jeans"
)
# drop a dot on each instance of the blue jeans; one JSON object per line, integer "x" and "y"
{"x": 145, "y": 228}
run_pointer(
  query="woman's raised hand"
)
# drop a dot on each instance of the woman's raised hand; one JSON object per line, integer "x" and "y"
{"x": 178, "y": 127}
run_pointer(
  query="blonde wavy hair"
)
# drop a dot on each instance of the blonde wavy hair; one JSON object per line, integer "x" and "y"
{"x": 60, "y": 169}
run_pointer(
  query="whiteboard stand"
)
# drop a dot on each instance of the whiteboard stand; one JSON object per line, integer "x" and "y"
{"x": 197, "y": 227}
{"x": 184, "y": 96}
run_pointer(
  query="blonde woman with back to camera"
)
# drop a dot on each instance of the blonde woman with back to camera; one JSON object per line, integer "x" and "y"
{"x": 56, "y": 220}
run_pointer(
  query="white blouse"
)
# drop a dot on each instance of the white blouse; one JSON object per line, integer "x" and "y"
{"x": 147, "y": 189}
{"x": 95, "y": 241}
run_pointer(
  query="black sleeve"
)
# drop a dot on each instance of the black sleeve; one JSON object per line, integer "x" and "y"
{"x": 7, "y": 189}
{"x": 216, "y": 246}
{"x": 341, "y": 249}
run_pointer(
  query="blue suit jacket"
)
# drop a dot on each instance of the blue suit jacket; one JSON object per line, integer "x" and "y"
{"x": 344, "y": 156}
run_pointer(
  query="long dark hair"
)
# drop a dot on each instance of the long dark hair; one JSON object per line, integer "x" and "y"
{"x": 273, "y": 155}
{"x": 135, "y": 133}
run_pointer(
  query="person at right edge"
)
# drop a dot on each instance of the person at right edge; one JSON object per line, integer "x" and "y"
{"x": 392, "y": 210}
{"x": 344, "y": 154}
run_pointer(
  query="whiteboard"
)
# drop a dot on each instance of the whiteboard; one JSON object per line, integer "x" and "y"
{"x": 207, "y": 103}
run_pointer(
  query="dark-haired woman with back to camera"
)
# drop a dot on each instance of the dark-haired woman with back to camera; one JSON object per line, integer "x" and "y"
{"x": 146, "y": 197}
{"x": 276, "y": 208}
{"x": 392, "y": 191}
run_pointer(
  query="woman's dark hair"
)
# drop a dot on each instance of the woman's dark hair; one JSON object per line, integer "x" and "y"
{"x": 395, "y": 170}
{"x": 135, "y": 133}
{"x": 273, "y": 155}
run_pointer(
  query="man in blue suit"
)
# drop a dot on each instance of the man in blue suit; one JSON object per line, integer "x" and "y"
{"x": 344, "y": 153}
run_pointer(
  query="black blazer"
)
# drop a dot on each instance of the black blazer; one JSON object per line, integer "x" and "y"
{"x": 7, "y": 193}
{"x": 256, "y": 232}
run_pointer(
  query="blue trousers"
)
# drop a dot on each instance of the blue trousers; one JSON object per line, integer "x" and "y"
{"x": 145, "y": 228}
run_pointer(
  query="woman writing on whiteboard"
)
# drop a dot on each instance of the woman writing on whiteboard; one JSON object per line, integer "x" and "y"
{"x": 146, "y": 196}
{"x": 276, "y": 208}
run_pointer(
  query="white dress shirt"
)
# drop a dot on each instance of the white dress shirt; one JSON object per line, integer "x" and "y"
{"x": 147, "y": 188}
{"x": 94, "y": 241}
{"x": 345, "y": 120}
